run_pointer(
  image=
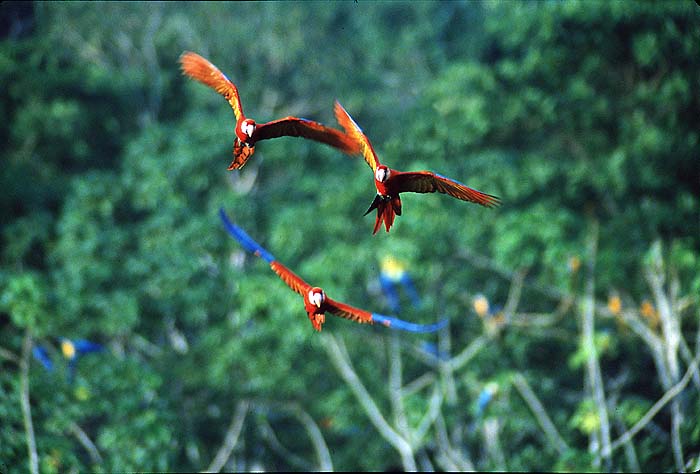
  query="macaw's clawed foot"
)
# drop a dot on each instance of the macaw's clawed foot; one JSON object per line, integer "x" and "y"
{"x": 241, "y": 153}
{"x": 317, "y": 320}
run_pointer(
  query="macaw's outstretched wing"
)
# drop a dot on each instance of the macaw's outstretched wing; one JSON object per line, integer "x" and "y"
{"x": 83, "y": 346}
{"x": 348, "y": 312}
{"x": 294, "y": 281}
{"x": 361, "y": 316}
{"x": 198, "y": 68}
{"x": 42, "y": 356}
{"x": 290, "y": 278}
{"x": 299, "y": 127}
{"x": 354, "y": 130}
{"x": 244, "y": 239}
{"x": 428, "y": 182}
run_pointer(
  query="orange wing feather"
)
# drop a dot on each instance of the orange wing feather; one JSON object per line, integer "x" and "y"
{"x": 294, "y": 281}
{"x": 298, "y": 127}
{"x": 352, "y": 129}
{"x": 348, "y": 312}
{"x": 428, "y": 182}
{"x": 200, "y": 69}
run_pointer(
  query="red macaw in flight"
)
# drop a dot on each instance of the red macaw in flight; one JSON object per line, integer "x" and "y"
{"x": 248, "y": 132}
{"x": 390, "y": 182}
{"x": 316, "y": 302}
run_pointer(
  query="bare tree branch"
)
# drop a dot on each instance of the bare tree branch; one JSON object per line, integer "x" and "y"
{"x": 231, "y": 438}
{"x": 450, "y": 457}
{"x": 493, "y": 443}
{"x": 671, "y": 332}
{"x": 594, "y": 375}
{"x": 649, "y": 415}
{"x": 341, "y": 362}
{"x": 540, "y": 413}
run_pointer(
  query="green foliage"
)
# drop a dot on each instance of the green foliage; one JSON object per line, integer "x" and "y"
{"x": 115, "y": 167}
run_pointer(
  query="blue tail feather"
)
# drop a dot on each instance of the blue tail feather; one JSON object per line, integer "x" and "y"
{"x": 402, "y": 325}
{"x": 244, "y": 239}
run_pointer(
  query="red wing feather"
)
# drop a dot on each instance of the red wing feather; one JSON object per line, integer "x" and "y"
{"x": 352, "y": 129}
{"x": 294, "y": 281}
{"x": 428, "y": 182}
{"x": 200, "y": 69}
{"x": 348, "y": 312}
{"x": 298, "y": 127}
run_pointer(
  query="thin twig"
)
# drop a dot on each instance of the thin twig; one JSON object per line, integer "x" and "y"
{"x": 430, "y": 416}
{"x": 687, "y": 356}
{"x": 231, "y": 437}
{"x": 9, "y": 355}
{"x": 516, "y": 286}
{"x": 276, "y": 445}
{"x": 322, "y": 452}
{"x": 418, "y": 384}
{"x": 26, "y": 406}
{"x": 461, "y": 359}
{"x": 395, "y": 383}
{"x": 86, "y": 442}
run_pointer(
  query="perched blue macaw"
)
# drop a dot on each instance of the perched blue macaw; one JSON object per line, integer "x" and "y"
{"x": 393, "y": 273}
{"x": 316, "y": 303}
{"x": 485, "y": 397}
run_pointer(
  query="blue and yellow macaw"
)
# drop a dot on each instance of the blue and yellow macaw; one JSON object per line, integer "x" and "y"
{"x": 392, "y": 273}
{"x": 316, "y": 303}
{"x": 71, "y": 350}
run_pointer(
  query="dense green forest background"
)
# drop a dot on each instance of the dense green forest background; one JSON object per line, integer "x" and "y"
{"x": 581, "y": 116}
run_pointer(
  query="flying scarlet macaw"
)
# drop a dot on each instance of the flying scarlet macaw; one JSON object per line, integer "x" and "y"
{"x": 390, "y": 182}
{"x": 248, "y": 132}
{"x": 316, "y": 303}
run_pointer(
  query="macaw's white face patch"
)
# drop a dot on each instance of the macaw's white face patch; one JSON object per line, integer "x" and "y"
{"x": 382, "y": 174}
{"x": 316, "y": 296}
{"x": 248, "y": 127}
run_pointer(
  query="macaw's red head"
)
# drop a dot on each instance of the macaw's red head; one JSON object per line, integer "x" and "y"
{"x": 382, "y": 173}
{"x": 245, "y": 130}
